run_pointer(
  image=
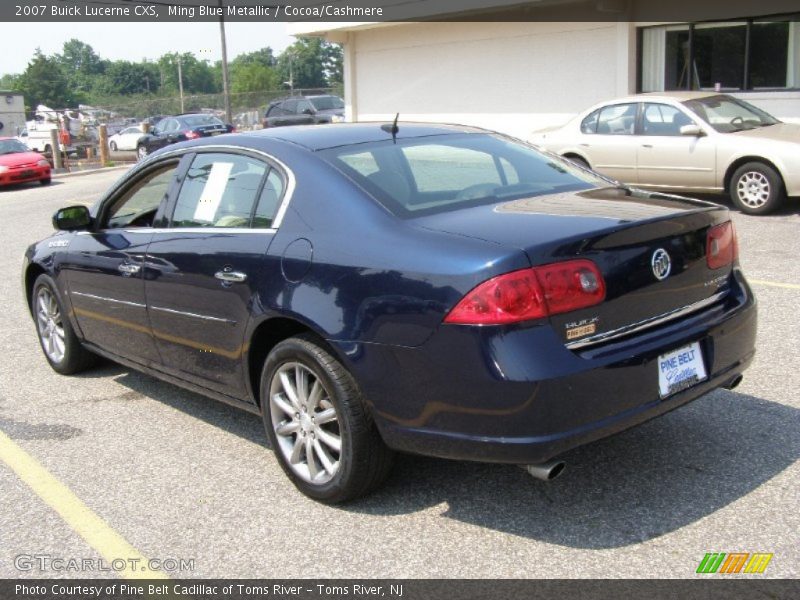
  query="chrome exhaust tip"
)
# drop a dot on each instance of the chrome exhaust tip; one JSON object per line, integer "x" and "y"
{"x": 733, "y": 383}
{"x": 546, "y": 471}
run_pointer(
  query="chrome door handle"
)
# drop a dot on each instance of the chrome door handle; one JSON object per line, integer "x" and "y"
{"x": 231, "y": 276}
{"x": 129, "y": 268}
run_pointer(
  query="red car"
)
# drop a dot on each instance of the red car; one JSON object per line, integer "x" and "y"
{"x": 18, "y": 164}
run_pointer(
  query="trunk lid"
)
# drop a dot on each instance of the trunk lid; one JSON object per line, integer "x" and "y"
{"x": 625, "y": 234}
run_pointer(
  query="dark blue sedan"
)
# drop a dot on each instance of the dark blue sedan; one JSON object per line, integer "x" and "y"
{"x": 368, "y": 289}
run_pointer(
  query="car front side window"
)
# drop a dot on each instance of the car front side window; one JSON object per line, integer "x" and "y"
{"x": 663, "y": 119}
{"x": 219, "y": 190}
{"x": 138, "y": 205}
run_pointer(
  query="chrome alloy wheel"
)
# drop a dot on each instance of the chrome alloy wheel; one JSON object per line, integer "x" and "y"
{"x": 51, "y": 329}
{"x": 753, "y": 189}
{"x": 305, "y": 422}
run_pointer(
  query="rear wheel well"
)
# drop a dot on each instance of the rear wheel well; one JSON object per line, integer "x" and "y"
{"x": 31, "y": 274}
{"x": 268, "y": 335}
{"x": 726, "y": 184}
{"x": 571, "y": 155}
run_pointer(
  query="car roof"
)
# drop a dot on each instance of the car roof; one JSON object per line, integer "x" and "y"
{"x": 678, "y": 96}
{"x": 321, "y": 137}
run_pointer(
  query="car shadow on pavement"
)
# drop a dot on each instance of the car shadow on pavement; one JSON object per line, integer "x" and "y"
{"x": 35, "y": 185}
{"x": 633, "y": 487}
{"x": 623, "y": 490}
{"x": 233, "y": 420}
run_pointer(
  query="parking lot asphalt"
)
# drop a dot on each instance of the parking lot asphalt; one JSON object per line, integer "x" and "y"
{"x": 176, "y": 475}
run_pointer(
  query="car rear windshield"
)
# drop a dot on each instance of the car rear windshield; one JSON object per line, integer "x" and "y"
{"x": 434, "y": 174}
{"x": 201, "y": 121}
{"x": 327, "y": 102}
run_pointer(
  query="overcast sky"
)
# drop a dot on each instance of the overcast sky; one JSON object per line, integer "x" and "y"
{"x": 135, "y": 41}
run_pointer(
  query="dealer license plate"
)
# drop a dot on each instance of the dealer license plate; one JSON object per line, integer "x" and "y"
{"x": 680, "y": 369}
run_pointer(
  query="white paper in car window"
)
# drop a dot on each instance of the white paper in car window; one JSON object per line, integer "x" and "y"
{"x": 212, "y": 192}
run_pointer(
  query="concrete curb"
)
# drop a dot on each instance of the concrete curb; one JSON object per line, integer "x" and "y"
{"x": 90, "y": 171}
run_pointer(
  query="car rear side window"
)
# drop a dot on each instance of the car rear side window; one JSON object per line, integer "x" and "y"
{"x": 427, "y": 175}
{"x": 268, "y": 201}
{"x": 619, "y": 119}
{"x": 219, "y": 190}
{"x": 589, "y": 124}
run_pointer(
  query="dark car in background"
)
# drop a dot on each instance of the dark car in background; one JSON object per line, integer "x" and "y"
{"x": 180, "y": 128}
{"x": 305, "y": 110}
{"x": 365, "y": 288}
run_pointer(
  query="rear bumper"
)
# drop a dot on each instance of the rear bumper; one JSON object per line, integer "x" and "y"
{"x": 520, "y": 396}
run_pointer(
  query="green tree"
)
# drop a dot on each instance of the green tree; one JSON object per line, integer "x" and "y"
{"x": 10, "y": 81}
{"x": 263, "y": 57}
{"x": 198, "y": 75}
{"x": 303, "y": 64}
{"x": 124, "y": 77}
{"x": 81, "y": 65}
{"x": 333, "y": 63}
{"x": 44, "y": 82}
{"x": 253, "y": 77}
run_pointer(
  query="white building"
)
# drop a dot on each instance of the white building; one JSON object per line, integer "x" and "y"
{"x": 503, "y": 73}
{"x": 12, "y": 113}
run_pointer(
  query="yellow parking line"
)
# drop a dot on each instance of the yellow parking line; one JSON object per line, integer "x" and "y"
{"x": 92, "y": 528}
{"x": 788, "y": 286}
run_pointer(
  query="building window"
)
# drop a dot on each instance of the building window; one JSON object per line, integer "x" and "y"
{"x": 753, "y": 54}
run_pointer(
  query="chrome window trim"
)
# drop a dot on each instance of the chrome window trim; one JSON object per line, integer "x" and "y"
{"x": 287, "y": 194}
{"x": 194, "y": 315}
{"x": 210, "y": 229}
{"x": 106, "y": 299}
{"x": 646, "y": 324}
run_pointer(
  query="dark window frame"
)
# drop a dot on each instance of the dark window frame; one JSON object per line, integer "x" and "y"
{"x": 746, "y": 79}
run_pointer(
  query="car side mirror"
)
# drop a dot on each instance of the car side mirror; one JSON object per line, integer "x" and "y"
{"x": 308, "y": 111}
{"x": 692, "y": 129}
{"x": 72, "y": 218}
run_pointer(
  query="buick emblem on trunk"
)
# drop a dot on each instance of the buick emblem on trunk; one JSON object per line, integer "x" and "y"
{"x": 661, "y": 264}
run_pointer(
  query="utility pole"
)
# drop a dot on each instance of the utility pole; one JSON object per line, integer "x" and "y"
{"x": 225, "y": 89}
{"x": 180, "y": 83}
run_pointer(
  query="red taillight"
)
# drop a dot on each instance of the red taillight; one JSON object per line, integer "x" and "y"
{"x": 531, "y": 294}
{"x": 193, "y": 135}
{"x": 721, "y": 245}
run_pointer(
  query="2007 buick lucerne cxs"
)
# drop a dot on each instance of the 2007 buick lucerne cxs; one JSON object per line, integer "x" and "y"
{"x": 371, "y": 288}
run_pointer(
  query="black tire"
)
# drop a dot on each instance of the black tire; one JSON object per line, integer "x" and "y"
{"x": 364, "y": 461}
{"x": 141, "y": 152}
{"x": 113, "y": 146}
{"x": 75, "y": 357}
{"x": 757, "y": 189}
{"x": 578, "y": 161}
{"x": 47, "y": 181}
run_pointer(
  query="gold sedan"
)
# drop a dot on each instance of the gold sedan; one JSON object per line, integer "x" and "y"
{"x": 687, "y": 142}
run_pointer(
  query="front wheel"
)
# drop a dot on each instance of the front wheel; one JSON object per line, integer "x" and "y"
{"x": 61, "y": 346}
{"x": 46, "y": 181}
{"x": 318, "y": 425}
{"x": 141, "y": 152}
{"x": 756, "y": 189}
